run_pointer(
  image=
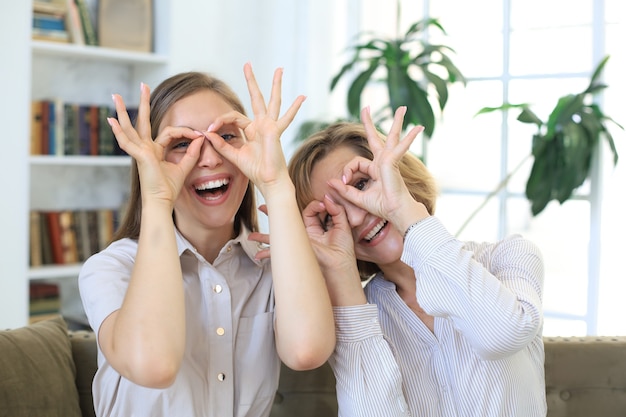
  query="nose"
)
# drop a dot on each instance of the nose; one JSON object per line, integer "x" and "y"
{"x": 209, "y": 157}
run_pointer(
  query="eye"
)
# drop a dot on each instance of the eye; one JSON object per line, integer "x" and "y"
{"x": 361, "y": 184}
{"x": 181, "y": 144}
{"x": 327, "y": 222}
{"x": 228, "y": 137}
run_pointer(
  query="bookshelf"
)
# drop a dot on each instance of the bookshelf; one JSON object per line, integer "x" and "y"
{"x": 73, "y": 73}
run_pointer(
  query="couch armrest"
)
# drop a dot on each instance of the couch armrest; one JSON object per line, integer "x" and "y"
{"x": 585, "y": 376}
{"x": 85, "y": 352}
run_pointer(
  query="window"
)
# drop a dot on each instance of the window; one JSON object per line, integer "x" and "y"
{"x": 531, "y": 51}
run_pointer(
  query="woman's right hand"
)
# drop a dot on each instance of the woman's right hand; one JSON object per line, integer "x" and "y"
{"x": 333, "y": 245}
{"x": 161, "y": 181}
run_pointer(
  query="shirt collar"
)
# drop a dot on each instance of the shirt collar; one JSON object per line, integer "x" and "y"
{"x": 249, "y": 247}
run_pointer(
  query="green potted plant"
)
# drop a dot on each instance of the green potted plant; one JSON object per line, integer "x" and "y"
{"x": 416, "y": 73}
{"x": 564, "y": 145}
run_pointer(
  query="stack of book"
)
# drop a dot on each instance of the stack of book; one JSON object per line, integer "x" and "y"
{"x": 70, "y": 236}
{"x": 44, "y": 302}
{"x": 69, "y": 21}
{"x": 49, "y": 21}
{"x": 61, "y": 128}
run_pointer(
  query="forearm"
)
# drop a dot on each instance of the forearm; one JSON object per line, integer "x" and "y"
{"x": 147, "y": 338}
{"x": 305, "y": 331}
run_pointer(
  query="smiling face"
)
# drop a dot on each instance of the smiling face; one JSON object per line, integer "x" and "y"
{"x": 214, "y": 189}
{"x": 375, "y": 240}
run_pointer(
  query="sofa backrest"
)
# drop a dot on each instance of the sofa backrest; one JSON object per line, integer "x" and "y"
{"x": 585, "y": 376}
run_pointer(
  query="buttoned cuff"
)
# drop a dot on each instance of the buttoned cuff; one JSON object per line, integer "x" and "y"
{"x": 356, "y": 323}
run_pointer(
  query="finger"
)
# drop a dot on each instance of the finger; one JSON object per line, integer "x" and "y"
{"x": 311, "y": 214}
{"x": 396, "y": 127}
{"x": 404, "y": 145}
{"x": 121, "y": 112}
{"x": 273, "y": 110}
{"x": 262, "y": 238}
{"x": 356, "y": 164}
{"x": 189, "y": 160}
{"x": 143, "y": 115}
{"x": 290, "y": 114}
{"x": 230, "y": 118}
{"x": 348, "y": 193}
{"x": 122, "y": 140}
{"x": 222, "y": 147}
{"x": 256, "y": 97}
{"x": 373, "y": 138}
{"x": 263, "y": 254}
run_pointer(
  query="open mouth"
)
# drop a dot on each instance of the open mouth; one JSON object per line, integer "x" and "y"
{"x": 375, "y": 231}
{"x": 212, "y": 190}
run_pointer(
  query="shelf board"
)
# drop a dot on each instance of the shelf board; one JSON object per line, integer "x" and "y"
{"x": 70, "y": 50}
{"x": 80, "y": 160}
{"x": 54, "y": 272}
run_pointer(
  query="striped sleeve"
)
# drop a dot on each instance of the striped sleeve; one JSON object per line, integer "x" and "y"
{"x": 369, "y": 383}
{"x": 491, "y": 292}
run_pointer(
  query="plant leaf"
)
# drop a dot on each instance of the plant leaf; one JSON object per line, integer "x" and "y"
{"x": 357, "y": 86}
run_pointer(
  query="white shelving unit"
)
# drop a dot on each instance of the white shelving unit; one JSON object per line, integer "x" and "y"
{"x": 73, "y": 73}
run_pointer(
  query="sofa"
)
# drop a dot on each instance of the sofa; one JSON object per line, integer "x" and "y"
{"x": 46, "y": 371}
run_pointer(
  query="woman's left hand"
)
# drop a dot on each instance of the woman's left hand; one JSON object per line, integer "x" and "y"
{"x": 261, "y": 157}
{"x": 385, "y": 195}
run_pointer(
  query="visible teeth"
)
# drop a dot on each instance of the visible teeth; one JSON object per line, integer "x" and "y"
{"x": 375, "y": 230}
{"x": 212, "y": 184}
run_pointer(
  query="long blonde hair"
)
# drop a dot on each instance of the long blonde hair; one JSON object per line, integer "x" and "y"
{"x": 162, "y": 98}
{"x": 418, "y": 179}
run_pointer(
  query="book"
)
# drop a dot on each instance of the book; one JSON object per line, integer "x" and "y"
{"x": 47, "y": 256}
{"x": 35, "y": 127}
{"x": 45, "y": 127}
{"x": 106, "y": 227}
{"x": 34, "y": 239}
{"x": 74, "y": 24}
{"x": 84, "y": 130}
{"x": 54, "y": 233}
{"x": 125, "y": 24}
{"x": 44, "y": 299}
{"x": 106, "y": 138}
{"x": 50, "y": 35}
{"x": 59, "y": 128}
{"x": 49, "y": 21}
{"x": 70, "y": 117}
{"x": 83, "y": 240}
{"x": 55, "y": 7}
{"x": 94, "y": 131}
{"x": 68, "y": 237}
{"x": 89, "y": 31}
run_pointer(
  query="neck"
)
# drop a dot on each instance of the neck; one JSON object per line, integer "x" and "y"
{"x": 209, "y": 241}
{"x": 403, "y": 277}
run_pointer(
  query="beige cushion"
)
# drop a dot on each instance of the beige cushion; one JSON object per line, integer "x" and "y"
{"x": 37, "y": 373}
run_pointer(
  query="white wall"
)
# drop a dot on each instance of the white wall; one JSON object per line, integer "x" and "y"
{"x": 303, "y": 37}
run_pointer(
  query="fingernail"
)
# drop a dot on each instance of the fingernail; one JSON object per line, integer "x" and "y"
{"x": 210, "y": 128}
{"x": 326, "y": 196}
{"x": 110, "y": 121}
{"x": 344, "y": 179}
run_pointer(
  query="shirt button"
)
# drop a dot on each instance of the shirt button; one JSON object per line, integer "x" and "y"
{"x": 217, "y": 289}
{"x": 220, "y": 331}
{"x": 221, "y": 377}
{"x": 229, "y": 248}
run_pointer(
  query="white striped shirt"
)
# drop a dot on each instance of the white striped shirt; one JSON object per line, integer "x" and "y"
{"x": 485, "y": 357}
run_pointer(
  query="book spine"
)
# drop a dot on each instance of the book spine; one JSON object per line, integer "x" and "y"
{"x": 35, "y": 127}
{"x": 88, "y": 26}
{"x": 54, "y": 230}
{"x": 84, "y": 130}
